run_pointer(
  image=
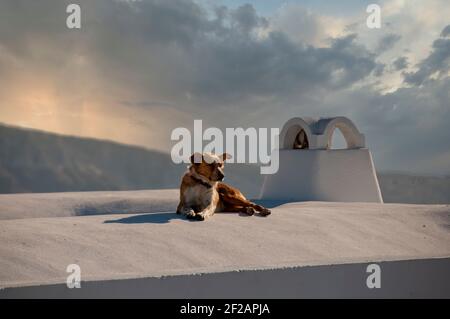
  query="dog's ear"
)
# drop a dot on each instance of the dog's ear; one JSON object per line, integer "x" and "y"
{"x": 225, "y": 156}
{"x": 196, "y": 158}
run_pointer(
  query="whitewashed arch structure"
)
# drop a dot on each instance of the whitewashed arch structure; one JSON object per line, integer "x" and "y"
{"x": 318, "y": 172}
{"x": 320, "y": 132}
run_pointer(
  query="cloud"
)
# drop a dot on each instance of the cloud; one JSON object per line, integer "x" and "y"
{"x": 407, "y": 129}
{"x": 416, "y": 118}
{"x": 180, "y": 53}
{"x": 387, "y": 42}
{"x": 149, "y": 66}
{"x": 305, "y": 26}
{"x": 400, "y": 63}
{"x": 446, "y": 32}
{"x": 246, "y": 19}
{"x": 436, "y": 64}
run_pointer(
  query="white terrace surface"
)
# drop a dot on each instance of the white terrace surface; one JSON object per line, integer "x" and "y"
{"x": 111, "y": 246}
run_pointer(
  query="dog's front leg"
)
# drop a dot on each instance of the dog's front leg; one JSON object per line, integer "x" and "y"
{"x": 189, "y": 212}
{"x": 185, "y": 210}
{"x": 210, "y": 206}
{"x": 205, "y": 213}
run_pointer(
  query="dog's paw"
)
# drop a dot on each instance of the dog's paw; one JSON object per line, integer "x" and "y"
{"x": 200, "y": 217}
{"x": 249, "y": 211}
{"x": 195, "y": 216}
{"x": 265, "y": 212}
{"x": 190, "y": 214}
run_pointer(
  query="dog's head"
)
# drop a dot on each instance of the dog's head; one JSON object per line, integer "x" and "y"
{"x": 210, "y": 166}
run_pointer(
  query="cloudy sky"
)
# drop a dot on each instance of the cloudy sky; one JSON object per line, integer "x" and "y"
{"x": 138, "y": 69}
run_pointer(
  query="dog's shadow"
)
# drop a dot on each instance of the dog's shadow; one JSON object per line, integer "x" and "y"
{"x": 151, "y": 218}
{"x": 157, "y": 218}
{"x": 164, "y": 218}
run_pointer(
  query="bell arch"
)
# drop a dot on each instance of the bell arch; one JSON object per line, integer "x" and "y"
{"x": 292, "y": 128}
{"x": 352, "y": 136}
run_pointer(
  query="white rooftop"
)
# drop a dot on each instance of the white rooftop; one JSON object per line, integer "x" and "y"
{"x": 36, "y": 250}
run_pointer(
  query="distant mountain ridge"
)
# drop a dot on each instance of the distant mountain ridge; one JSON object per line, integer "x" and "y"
{"x": 403, "y": 188}
{"x": 36, "y": 161}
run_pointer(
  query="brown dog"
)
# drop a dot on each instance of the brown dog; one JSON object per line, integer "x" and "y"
{"x": 202, "y": 193}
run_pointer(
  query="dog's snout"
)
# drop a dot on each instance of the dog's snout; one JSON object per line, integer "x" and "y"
{"x": 220, "y": 175}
